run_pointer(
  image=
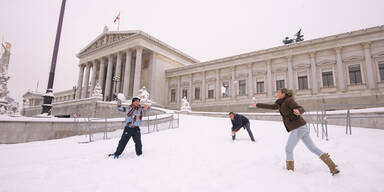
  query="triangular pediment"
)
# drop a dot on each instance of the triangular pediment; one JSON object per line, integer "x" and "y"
{"x": 105, "y": 39}
{"x": 31, "y": 94}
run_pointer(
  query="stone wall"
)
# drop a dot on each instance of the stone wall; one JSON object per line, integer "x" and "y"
{"x": 309, "y": 104}
{"x": 89, "y": 107}
{"x": 35, "y": 129}
{"x": 376, "y": 123}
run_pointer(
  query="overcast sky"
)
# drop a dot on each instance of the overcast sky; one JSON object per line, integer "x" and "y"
{"x": 203, "y": 29}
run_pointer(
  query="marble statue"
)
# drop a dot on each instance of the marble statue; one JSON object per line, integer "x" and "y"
{"x": 185, "y": 107}
{"x": 144, "y": 96}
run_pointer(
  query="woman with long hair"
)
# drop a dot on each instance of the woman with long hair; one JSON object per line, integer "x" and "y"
{"x": 297, "y": 127}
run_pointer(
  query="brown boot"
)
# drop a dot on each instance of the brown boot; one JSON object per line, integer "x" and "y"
{"x": 328, "y": 161}
{"x": 290, "y": 165}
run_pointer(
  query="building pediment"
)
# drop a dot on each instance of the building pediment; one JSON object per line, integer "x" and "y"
{"x": 31, "y": 94}
{"x": 105, "y": 39}
{"x": 302, "y": 66}
{"x": 326, "y": 62}
{"x": 353, "y": 58}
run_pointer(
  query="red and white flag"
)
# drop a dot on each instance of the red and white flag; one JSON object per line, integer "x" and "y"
{"x": 117, "y": 18}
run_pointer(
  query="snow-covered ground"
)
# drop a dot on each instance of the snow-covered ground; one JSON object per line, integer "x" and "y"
{"x": 198, "y": 156}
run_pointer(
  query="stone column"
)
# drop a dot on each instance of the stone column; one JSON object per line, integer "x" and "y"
{"x": 108, "y": 81}
{"x": 178, "y": 91}
{"x": 368, "y": 63}
{"x": 315, "y": 85}
{"x": 203, "y": 91}
{"x": 269, "y": 79}
{"x": 152, "y": 77}
{"x": 233, "y": 90}
{"x": 102, "y": 72}
{"x": 118, "y": 70}
{"x": 127, "y": 73}
{"x": 80, "y": 82}
{"x": 340, "y": 70}
{"x": 166, "y": 95}
{"x": 250, "y": 81}
{"x": 190, "y": 88}
{"x": 93, "y": 80}
{"x": 86, "y": 81}
{"x": 290, "y": 74}
{"x": 218, "y": 88}
{"x": 137, "y": 79}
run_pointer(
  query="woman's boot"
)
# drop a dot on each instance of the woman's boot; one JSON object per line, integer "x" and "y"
{"x": 290, "y": 165}
{"x": 328, "y": 161}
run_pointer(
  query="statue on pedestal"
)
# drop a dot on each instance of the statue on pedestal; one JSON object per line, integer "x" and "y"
{"x": 185, "y": 107}
{"x": 97, "y": 92}
{"x": 144, "y": 96}
{"x": 8, "y": 106}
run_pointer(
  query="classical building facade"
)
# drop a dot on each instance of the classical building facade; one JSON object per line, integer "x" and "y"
{"x": 126, "y": 61}
{"x": 343, "y": 68}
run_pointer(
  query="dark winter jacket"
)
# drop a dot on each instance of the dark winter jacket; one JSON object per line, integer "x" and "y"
{"x": 238, "y": 122}
{"x": 286, "y": 106}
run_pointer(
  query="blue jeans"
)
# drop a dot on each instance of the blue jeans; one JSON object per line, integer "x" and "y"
{"x": 301, "y": 133}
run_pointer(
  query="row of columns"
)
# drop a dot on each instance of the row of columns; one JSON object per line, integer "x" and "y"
{"x": 341, "y": 83}
{"x": 99, "y": 65}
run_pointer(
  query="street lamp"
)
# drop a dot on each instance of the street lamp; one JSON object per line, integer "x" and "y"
{"x": 74, "y": 92}
{"x": 48, "y": 96}
{"x": 115, "y": 79}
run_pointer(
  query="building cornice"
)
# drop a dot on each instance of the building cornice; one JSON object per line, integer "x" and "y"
{"x": 286, "y": 49}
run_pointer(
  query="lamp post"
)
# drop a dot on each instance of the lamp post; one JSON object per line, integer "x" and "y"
{"x": 48, "y": 96}
{"x": 74, "y": 92}
{"x": 115, "y": 79}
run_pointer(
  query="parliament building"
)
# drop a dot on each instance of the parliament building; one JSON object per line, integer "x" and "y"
{"x": 339, "y": 69}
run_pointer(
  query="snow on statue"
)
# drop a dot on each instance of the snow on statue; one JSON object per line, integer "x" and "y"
{"x": 97, "y": 92}
{"x": 185, "y": 107}
{"x": 144, "y": 96}
{"x": 8, "y": 105}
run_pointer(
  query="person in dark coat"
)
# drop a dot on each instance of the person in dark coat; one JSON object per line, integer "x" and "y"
{"x": 297, "y": 127}
{"x": 134, "y": 114}
{"x": 238, "y": 122}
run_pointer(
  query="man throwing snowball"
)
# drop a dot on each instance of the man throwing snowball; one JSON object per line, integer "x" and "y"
{"x": 239, "y": 121}
{"x": 134, "y": 114}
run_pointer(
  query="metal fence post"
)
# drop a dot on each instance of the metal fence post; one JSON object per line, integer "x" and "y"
{"x": 148, "y": 123}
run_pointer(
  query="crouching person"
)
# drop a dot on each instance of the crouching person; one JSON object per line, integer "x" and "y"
{"x": 134, "y": 114}
{"x": 239, "y": 121}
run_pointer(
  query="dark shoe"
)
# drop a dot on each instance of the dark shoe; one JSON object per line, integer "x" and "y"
{"x": 331, "y": 165}
{"x": 115, "y": 156}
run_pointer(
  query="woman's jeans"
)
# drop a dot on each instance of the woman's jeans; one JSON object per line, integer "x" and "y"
{"x": 301, "y": 133}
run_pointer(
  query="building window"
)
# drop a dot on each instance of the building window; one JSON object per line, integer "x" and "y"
{"x": 197, "y": 93}
{"x": 260, "y": 87}
{"x": 210, "y": 94}
{"x": 327, "y": 79}
{"x": 354, "y": 74}
{"x": 173, "y": 95}
{"x": 185, "y": 93}
{"x": 381, "y": 70}
{"x": 280, "y": 84}
{"x": 242, "y": 87}
{"x": 225, "y": 89}
{"x": 303, "y": 82}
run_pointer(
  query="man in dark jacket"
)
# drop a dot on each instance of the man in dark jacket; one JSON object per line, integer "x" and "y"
{"x": 239, "y": 121}
{"x": 134, "y": 114}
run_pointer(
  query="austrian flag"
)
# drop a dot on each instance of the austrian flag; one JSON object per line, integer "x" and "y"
{"x": 117, "y": 18}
